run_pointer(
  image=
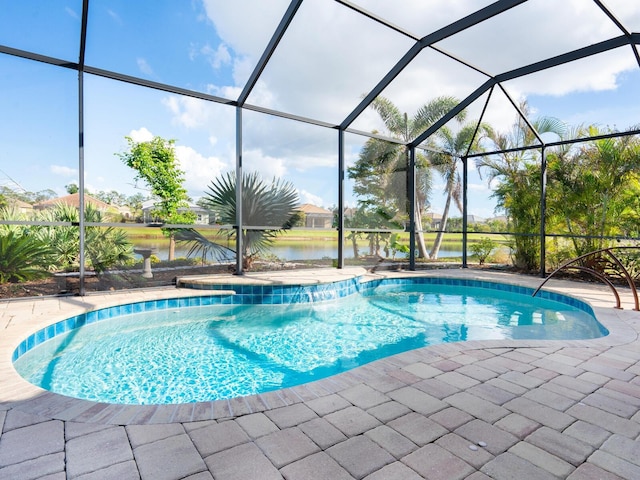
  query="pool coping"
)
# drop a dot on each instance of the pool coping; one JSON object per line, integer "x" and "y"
{"x": 23, "y": 318}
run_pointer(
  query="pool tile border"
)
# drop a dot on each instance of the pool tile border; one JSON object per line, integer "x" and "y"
{"x": 28, "y": 317}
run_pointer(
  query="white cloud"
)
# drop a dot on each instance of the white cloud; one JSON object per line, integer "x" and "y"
{"x": 304, "y": 163}
{"x": 72, "y": 13}
{"x": 193, "y": 113}
{"x": 242, "y": 68}
{"x": 478, "y": 187}
{"x": 185, "y": 110}
{"x": 588, "y": 75}
{"x": 144, "y": 66}
{"x": 501, "y": 44}
{"x": 199, "y": 170}
{"x": 216, "y": 57}
{"x": 308, "y": 197}
{"x": 246, "y": 33}
{"x": 141, "y": 135}
{"x": 268, "y": 167}
{"x": 64, "y": 171}
{"x": 322, "y": 67}
{"x": 115, "y": 16}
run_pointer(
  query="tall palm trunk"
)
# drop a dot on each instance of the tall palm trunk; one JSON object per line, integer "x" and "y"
{"x": 443, "y": 225}
{"x": 422, "y": 248}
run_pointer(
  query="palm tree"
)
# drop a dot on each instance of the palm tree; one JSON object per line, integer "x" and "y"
{"x": 519, "y": 174}
{"x": 454, "y": 146}
{"x": 407, "y": 129}
{"x": 380, "y": 184}
{"x": 271, "y": 204}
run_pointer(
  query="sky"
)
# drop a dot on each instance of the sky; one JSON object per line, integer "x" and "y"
{"x": 328, "y": 59}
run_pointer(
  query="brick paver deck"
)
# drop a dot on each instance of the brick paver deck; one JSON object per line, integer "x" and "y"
{"x": 473, "y": 410}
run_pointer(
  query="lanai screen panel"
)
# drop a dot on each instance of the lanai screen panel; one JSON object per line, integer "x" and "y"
{"x": 49, "y": 28}
{"x": 299, "y": 162}
{"x": 422, "y": 17}
{"x": 39, "y": 134}
{"x": 191, "y": 45}
{"x": 529, "y": 33}
{"x": 591, "y": 91}
{"x": 329, "y": 58}
{"x": 428, "y": 80}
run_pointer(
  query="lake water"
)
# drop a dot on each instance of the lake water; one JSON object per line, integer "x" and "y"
{"x": 310, "y": 251}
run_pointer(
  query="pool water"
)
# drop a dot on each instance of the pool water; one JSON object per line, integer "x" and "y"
{"x": 223, "y": 351}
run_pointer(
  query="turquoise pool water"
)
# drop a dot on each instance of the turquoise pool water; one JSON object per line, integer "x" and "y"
{"x": 202, "y": 353}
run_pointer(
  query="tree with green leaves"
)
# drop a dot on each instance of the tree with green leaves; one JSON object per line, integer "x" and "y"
{"x": 134, "y": 202}
{"x": 156, "y": 164}
{"x": 518, "y": 173}
{"x": 592, "y": 187}
{"x": 39, "y": 196}
{"x": 112, "y": 197}
{"x": 396, "y": 161}
{"x": 380, "y": 184}
{"x": 273, "y": 205}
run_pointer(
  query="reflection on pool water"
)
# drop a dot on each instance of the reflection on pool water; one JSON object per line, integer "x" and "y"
{"x": 202, "y": 353}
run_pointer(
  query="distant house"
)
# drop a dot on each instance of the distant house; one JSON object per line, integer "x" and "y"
{"x": 316, "y": 217}
{"x": 350, "y": 212}
{"x": 19, "y": 205}
{"x": 202, "y": 214}
{"x": 125, "y": 212}
{"x": 116, "y": 213}
{"x": 434, "y": 220}
{"x": 475, "y": 219}
{"x": 73, "y": 200}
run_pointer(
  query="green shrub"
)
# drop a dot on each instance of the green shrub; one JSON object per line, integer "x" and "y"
{"x": 105, "y": 247}
{"x": 482, "y": 249}
{"x": 23, "y": 258}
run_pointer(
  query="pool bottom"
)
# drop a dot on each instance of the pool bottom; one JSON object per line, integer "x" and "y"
{"x": 287, "y": 356}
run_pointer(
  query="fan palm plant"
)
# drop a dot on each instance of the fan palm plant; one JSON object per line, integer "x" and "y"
{"x": 270, "y": 206}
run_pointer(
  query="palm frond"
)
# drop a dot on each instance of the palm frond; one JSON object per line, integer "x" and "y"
{"x": 433, "y": 111}
{"x": 392, "y": 118}
{"x": 201, "y": 246}
{"x": 271, "y": 204}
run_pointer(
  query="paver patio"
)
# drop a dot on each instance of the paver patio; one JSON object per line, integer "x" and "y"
{"x": 476, "y": 410}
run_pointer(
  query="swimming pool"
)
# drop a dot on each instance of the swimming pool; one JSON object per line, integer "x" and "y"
{"x": 265, "y": 338}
